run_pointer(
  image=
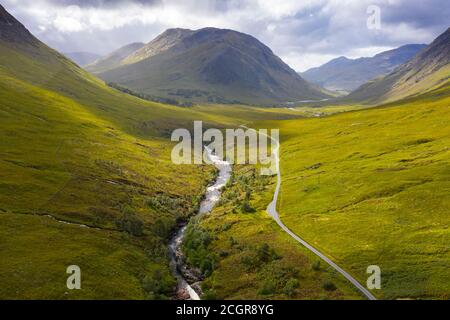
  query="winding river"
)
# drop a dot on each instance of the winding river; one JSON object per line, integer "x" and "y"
{"x": 188, "y": 287}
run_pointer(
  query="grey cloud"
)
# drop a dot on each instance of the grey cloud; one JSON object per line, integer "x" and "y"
{"x": 303, "y": 33}
{"x": 101, "y": 3}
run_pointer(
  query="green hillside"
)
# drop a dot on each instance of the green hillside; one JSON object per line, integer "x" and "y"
{"x": 210, "y": 66}
{"x": 113, "y": 59}
{"x": 371, "y": 188}
{"x": 86, "y": 177}
{"x": 245, "y": 255}
{"x": 429, "y": 70}
{"x": 347, "y": 75}
{"x": 74, "y": 150}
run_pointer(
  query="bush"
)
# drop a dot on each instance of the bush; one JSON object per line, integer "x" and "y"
{"x": 267, "y": 254}
{"x": 158, "y": 285}
{"x": 163, "y": 226}
{"x": 246, "y": 207}
{"x": 206, "y": 266}
{"x": 255, "y": 259}
{"x": 267, "y": 288}
{"x": 316, "y": 265}
{"x": 196, "y": 248}
{"x": 164, "y": 203}
{"x": 329, "y": 286}
{"x": 131, "y": 223}
{"x": 209, "y": 295}
{"x": 291, "y": 287}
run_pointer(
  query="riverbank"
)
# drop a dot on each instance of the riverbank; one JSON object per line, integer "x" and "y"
{"x": 188, "y": 278}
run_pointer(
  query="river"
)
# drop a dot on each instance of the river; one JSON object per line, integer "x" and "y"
{"x": 188, "y": 287}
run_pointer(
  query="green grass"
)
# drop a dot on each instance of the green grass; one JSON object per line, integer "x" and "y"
{"x": 251, "y": 257}
{"x": 113, "y": 264}
{"x": 77, "y": 150}
{"x": 60, "y": 159}
{"x": 372, "y": 187}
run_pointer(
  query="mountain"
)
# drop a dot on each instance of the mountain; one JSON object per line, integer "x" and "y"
{"x": 428, "y": 70}
{"x": 343, "y": 74}
{"x": 209, "y": 65}
{"x": 79, "y": 160}
{"x": 114, "y": 59}
{"x": 82, "y": 58}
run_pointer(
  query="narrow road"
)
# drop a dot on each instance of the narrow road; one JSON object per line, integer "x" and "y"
{"x": 272, "y": 211}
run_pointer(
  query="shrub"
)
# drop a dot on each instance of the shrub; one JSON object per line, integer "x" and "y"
{"x": 210, "y": 295}
{"x": 255, "y": 259}
{"x": 246, "y": 207}
{"x": 316, "y": 265}
{"x": 329, "y": 286}
{"x": 291, "y": 287}
{"x": 163, "y": 226}
{"x": 158, "y": 285}
{"x": 196, "y": 248}
{"x": 267, "y": 254}
{"x": 267, "y": 288}
{"x": 130, "y": 223}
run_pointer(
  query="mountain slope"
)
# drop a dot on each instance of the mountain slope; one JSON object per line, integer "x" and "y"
{"x": 79, "y": 163}
{"x": 82, "y": 58}
{"x": 86, "y": 179}
{"x": 114, "y": 59}
{"x": 211, "y": 65}
{"x": 344, "y": 74}
{"x": 429, "y": 70}
{"x": 371, "y": 187}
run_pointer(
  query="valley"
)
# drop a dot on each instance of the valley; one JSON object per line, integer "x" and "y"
{"x": 87, "y": 176}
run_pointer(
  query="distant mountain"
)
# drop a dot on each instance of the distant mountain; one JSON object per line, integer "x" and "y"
{"x": 428, "y": 70}
{"x": 344, "y": 74}
{"x": 209, "y": 65}
{"x": 114, "y": 59}
{"x": 82, "y": 58}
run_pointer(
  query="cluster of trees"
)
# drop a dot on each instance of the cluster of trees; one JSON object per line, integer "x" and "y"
{"x": 130, "y": 222}
{"x": 276, "y": 279}
{"x": 196, "y": 248}
{"x": 255, "y": 258}
{"x": 159, "y": 285}
{"x": 185, "y": 104}
{"x": 239, "y": 196}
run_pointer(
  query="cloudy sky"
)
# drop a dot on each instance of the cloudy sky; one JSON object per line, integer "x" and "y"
{"x": 304, "y": 33}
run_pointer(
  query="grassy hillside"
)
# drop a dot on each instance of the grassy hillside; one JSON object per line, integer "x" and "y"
{"x": 343, "y": 74}
{"x": 113, "y": 59}
{"x": 210, "y": 66}
{"x": 427, "y": 71}
{"x": 246, "y": 256}
{"x": 59, "y": 158}
{"x": 86, "y": 178}
{"x": 76, "y": 151}
{"x": 371, "y": 188}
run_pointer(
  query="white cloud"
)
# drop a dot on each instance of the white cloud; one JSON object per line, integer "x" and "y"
{"x": 304, "y": 33}
{"x": 302, "y": 62}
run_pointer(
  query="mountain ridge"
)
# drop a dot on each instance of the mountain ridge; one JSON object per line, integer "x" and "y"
{"x": 113, "y": 59}
{"x": 82, "y": 58}
{"x": 344, "y": 74}
{"x": 428, "y": 70}
{"x": 210, "y": 65}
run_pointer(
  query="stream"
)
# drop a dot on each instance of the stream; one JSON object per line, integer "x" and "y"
{"x": 188, "y": 287}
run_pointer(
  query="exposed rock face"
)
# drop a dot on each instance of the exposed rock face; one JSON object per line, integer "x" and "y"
{"x": 13, "y": 31}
